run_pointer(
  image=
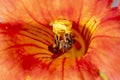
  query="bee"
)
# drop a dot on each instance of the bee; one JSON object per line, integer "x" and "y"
{"x": 64, "y": 39}
{"x": 62, "y": 45}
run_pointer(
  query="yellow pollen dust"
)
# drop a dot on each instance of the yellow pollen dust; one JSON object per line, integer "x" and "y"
{"x": 60, "y": 26}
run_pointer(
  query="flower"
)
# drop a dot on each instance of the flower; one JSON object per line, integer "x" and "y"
{"x": 25, "y": 36}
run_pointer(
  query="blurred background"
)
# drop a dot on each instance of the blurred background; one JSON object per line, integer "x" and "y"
{"x": 115, "y": 3}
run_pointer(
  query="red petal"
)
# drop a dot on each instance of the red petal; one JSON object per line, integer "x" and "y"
{"x": 105, "y": 45}
{"x": 18, "y": 61}
{"x": 67, "y": 69}
{"x": 43, "y": 11}
{"x": 19, "y": 44}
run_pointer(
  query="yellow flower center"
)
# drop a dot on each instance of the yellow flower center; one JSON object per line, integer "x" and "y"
{"x": 67, "y": 40}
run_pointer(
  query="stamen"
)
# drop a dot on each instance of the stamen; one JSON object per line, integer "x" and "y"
{"x": 63, "y": 36}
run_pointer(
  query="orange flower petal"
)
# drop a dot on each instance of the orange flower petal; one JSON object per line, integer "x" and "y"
{"x": 44, "y": 12}
{"x": 24, "y": 55}
{"x": 22, "y": 35}
{"x": 105, "y": 45}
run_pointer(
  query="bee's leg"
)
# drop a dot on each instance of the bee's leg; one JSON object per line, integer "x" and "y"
{"x": 57, "y": 41}
{"x": 67, "y": 38}
{"x": 72, "y": 37}
{"x": 54, "y": 48}
{"x": 61, "y": 44}
{"x": 56, "y": 44}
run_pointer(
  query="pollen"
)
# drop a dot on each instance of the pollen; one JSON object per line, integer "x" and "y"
{"x": 61, "y": 26}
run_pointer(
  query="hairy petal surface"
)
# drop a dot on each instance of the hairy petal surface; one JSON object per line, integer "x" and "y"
{"x": 105, "y": 45}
